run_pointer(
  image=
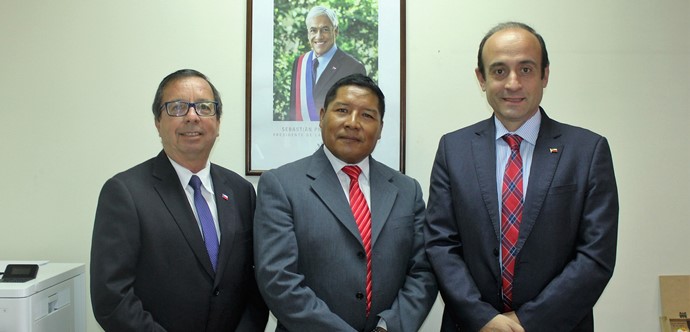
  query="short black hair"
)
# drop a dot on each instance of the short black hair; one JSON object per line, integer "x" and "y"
{"x": 182, "y": 73}
{"x": 359, "y": 80}
{"x": 514, "y": 25}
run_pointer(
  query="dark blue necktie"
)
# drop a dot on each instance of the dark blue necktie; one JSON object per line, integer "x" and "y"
{"x": 314, "y": 71}
{"x": 208, "y": 227}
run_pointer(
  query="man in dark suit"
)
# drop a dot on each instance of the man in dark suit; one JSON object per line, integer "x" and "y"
{"x": 340, "y": 250}
{"x": 314, "y": 72}
{"x": 169, "y": 256}
{"x": 523, "y": 210}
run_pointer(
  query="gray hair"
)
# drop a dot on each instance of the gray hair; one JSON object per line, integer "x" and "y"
{"x": 321, "y": 10}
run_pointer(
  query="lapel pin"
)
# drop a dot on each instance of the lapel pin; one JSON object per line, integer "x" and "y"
{"x": 553, "y": 150}
{"x": 225, "y": 197}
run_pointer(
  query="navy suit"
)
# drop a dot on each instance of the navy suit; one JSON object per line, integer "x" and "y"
{"x": 149, "y": 267}
{"x": 341, "y": 65}
{"x": 567, "y": 244}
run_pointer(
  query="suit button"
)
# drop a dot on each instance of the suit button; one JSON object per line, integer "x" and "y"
{"x": 496, "y": 252}
{"x": 361, "y": 255}
{"x": 359, "y": 295}
{"x": 216, "y": 292}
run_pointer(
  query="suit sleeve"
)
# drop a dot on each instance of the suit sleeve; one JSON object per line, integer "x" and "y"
{"x": 584, "y": 278}
{"x": 360, "y": 69}
{"x": 418, "y": 293}
{"x": 276, "y": 254}
{"x": 445, "y": 251}
{"x": 255, "y": 315}
{"x": 114, "y": 250}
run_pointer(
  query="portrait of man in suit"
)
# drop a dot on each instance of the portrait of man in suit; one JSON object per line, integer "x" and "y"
{"x": 338, "y": 235}
{"x": 315, "y": 71}
{"x": 522, "y": 218}
{"x": 172, "y": 242}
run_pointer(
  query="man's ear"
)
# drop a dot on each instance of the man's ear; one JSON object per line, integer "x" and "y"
{"x": 480, "y": 78}
{"x": 322, "y": 113}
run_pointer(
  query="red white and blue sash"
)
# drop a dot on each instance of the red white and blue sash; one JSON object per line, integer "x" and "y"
{"x": 304, "y": 107}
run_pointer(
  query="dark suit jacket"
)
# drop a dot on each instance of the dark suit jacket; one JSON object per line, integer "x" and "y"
{"x": 310, "y": 261}
{"x": 567, "y": 243}
{"x": 149, "y": 267}
{"x": 341, "y": 65}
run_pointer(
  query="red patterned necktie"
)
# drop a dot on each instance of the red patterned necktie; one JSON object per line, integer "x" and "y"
{"x": 363, "y": 218}
{"x": 511, "y": 215}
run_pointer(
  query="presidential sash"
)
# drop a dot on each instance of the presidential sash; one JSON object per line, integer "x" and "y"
{"x": 304, "y": 107}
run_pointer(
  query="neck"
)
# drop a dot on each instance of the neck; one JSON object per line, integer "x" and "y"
{"x": 513, "y": 126}
{"x": 193, "y": 165}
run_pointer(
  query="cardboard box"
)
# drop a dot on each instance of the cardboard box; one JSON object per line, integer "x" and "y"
{"x": 675, "y": 303}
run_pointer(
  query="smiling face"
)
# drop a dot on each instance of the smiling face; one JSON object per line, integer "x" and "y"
{"x": 513, "y": 80}
{"x": 351, "y": 125}
{"x": 188, "y": 139}
{"x": 321, "y": 34}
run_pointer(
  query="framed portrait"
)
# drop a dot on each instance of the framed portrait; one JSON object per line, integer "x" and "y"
{"x": 286, "y": 83}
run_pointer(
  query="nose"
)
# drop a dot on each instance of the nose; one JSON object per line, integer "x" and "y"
{"x": 191, "y": 114}
{"x": 352, "y": 120}
{"x": 513, "y": 82}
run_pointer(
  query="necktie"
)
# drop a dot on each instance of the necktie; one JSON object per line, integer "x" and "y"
{"x": 314, "y": 71}
{"x": 363, "y": 218}
{"x": 511, "y": 215}
{"x": 208, "y": 227}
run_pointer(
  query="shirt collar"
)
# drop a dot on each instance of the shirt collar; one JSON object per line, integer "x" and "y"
{"x": 185, "y": 175}
{"x": 326, "y": 57}
{"x": 528, "y": 131}
{"x": 339, "y": 164}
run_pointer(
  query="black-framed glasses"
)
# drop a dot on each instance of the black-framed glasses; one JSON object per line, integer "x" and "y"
{"x": 181, "y": 108}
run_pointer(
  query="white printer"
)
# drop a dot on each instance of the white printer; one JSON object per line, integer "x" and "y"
{"x": 55, "y": 301}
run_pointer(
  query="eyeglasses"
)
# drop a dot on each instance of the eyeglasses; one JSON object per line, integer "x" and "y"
{"x": 181, "y": 108}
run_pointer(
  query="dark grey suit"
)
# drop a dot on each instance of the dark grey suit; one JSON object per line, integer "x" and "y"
{"x": 567, "y": 243}
{"x": 149, "y": 267}
{"x": 310, "y": 261}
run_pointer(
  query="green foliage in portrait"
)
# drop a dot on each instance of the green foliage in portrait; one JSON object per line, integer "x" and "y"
{"x": 358, "y": 36}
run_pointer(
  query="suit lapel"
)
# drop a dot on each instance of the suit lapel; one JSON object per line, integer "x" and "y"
{"x": 328, "y": 74}
{"x": 383, "y": 194}
{"x": 484, "y": 154}
{"x": 327, "y": 187}
{"x": 544, "y": 162}
{"x": 227, "y": 217}
{"x": 174, "y": 198}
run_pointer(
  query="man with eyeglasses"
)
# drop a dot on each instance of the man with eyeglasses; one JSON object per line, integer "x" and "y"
{"x": 172, "y": 239}
{"x": 314, "y": 72}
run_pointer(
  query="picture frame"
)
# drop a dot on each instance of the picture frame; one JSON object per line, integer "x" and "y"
{"x": 277, "y": 36}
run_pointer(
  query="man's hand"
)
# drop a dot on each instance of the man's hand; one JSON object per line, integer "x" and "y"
{"x": 513, "y": 316}
{"x": 507, "y": 322}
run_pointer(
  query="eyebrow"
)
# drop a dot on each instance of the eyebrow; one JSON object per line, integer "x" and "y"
{"x": 523, "y": 62}
{"x": 341, "y": 104}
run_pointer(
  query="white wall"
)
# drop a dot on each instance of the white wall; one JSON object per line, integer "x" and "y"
{"x": 77, "y": 78}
